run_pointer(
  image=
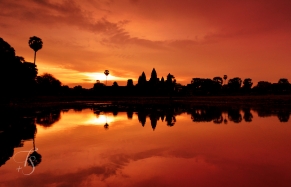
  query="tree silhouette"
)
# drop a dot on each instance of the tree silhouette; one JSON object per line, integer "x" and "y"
{"x": 283, "y": 115}
{"x": 225, "y": 77}
{"x": 218, "y": 80}
{"x": 47, "y": 118}
{"x": 106, "y": 126}
{"x": 17, "y": 76}
{"x": 234, "y": 115}
{"x": 35, "y": 43}
{"x": 234, "y": 84}
{"x": 263, "y": 87}
{"x": 204, "y": 86}
{"x": 48, "y": 84}
{"x": 106, "y": 72}
{"x": 170, "y": 117}
{"x": 283, "y": 85}
{"x": 248, "y": 116}
{"x": 247, "y": 84}
{"x": 217, "y": 84}
{"x": 283, "y": 81}
{"x": 34, "y": 158}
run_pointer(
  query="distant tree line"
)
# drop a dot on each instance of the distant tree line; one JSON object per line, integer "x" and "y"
{"x": 20, "y": 79}
{"x": 236, "y": 86}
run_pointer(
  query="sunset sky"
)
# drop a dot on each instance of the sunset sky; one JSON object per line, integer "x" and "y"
{"x": 187, "y": 38}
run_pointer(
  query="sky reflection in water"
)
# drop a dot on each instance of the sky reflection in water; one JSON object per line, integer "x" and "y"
{"x": 77, "y": 150}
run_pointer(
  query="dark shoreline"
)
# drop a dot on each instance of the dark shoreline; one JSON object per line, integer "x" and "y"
{"x": 81, "y": 101}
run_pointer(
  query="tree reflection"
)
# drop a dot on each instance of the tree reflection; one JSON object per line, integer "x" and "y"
{"x": 15, "y": 128}
{"x": 200, "y": 115}
{"x": 234, "y": 115}
{"x": 264, "y": 112}
{"x": 106, "y": 126}
{"x": 47, "y": 118}
{"x": 34, "y": 158}
{"x": 248, "y": 116}
{"x": 283, "y": 115}
{"x": 218, "y": 120}
{"x": 207, "y": 114}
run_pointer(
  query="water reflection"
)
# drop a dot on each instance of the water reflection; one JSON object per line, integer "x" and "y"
{"x": 248, "y": 116}
{"x": 114, "y": 144}
{"x": 234, "y": 115}
{"x": 48, "y": 117}
{"x": 34, "y": 158}
{"x": 15, "y": 128}
{"x": 215, "y": 114}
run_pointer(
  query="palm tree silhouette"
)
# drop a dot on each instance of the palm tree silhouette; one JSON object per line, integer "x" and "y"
{"x": 106, "y": 124}
{"x": 35, "y": 43}
{"x": 34, "y": 158}
{"x": 106, "y": 72}
{"x": 224, "y": 77}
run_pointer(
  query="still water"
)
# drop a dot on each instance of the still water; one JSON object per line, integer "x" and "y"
{"x": 103, "y": 146}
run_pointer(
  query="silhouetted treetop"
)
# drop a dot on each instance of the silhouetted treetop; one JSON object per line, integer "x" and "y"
{"x": 48, "y": 84}
{"x": 247, "y": 84}
{"x": 218, "y": 80}
{"x": 234, "y": 83}
{"x": 17, "y": 76}
{"x": 48, "y": 79}
{"x": 283, "y": 81}
{"x": 35, "y": 43}
{"x": 6, "y": 51}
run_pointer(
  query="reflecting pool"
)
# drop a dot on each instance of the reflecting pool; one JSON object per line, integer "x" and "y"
{"x": 146, "y": 146}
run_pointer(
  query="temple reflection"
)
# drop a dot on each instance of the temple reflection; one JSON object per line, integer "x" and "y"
{"x": 19, "y": 126}
{"x": 215, "y": 114}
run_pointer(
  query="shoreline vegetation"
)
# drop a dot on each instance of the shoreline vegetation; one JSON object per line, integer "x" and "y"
{"x": 87, "y": 102}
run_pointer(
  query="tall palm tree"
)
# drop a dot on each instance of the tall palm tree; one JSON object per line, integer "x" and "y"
{"x": 35, "y": 43}
{"x": 106, "y": 72}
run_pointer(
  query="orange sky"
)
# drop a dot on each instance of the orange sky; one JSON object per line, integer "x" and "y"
{"x": 187, "y": 38}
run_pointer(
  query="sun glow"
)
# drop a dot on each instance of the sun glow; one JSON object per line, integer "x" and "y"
{"x": 100, "y": 120}
{"x": 101, "y": 76}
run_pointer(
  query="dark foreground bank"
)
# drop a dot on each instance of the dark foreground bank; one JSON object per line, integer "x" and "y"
{"x": 52, "y": 101}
